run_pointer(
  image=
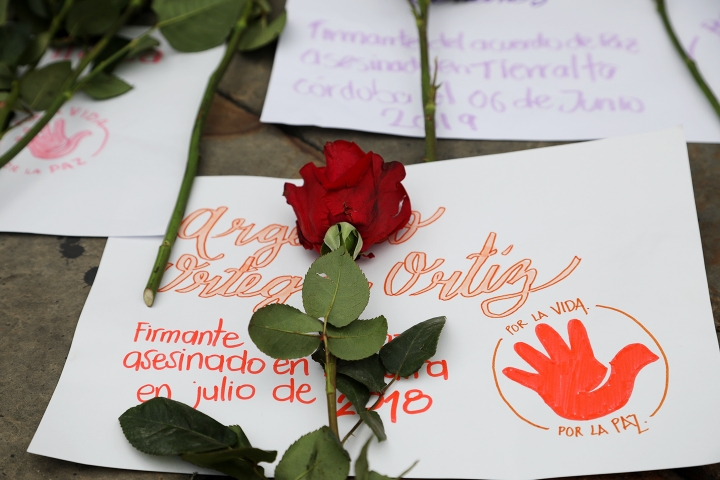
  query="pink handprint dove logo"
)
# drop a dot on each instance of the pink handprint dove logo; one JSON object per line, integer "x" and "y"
{"x": 570, "y": 379}
{"x": 52, "y": 143}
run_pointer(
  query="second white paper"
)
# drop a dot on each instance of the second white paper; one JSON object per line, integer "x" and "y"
{"x": 520, "y": 70}
{"x": 110, "y": 167}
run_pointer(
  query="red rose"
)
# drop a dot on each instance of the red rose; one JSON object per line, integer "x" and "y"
{"x": 355, "y": 187}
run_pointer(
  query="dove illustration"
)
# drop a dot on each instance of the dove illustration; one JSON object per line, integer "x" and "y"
{"x": 569, "y": 379}
{"x": 52, "y": 143}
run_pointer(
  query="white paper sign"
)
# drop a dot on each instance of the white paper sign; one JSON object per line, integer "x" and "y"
{"x": 515, "y": 70}
{"x": 111, "y": 167}
{"x": 595, "y": 244}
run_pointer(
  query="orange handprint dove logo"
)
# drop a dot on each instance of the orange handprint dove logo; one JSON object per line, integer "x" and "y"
{"x": 52, "y": 143}
{"x": 569, "y": 379}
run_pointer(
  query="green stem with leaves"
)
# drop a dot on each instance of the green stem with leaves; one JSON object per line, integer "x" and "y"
{"x": 193, "y": 159}
{"x": 429, "y": 86}
{"x": 686, "y": 58}
{"x": 68, "y": 88}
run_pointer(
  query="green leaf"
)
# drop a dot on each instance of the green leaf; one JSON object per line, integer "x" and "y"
{"x": 40, "y": 87}
{"x": 91, "y": 17}
{"x": 142, "y": 45}
{"x": 284, "y": 332}
{"x": 242, "y": 440}
{"x": 406, "y": 353}
{"x": 362, "y": 467}
{"x": 6, "y": 77}
{"x": 39, "y": 8}
{"x": 26, "y": 17}
{"x": 103, "y": 86}
{"x": 162, "y": 426}
{"x": 258, "y": 35}
{"x": 14, "y": 39}
{"x": 358, "y": 394}
{"x": 315, "y": 456}
{"x": 378, "y": 476}
{"x": 252, "y": 455}
{"x": 4, "y": 11}
{"x": 368, "y": 371}
{"x": 358, "y": 340}
{"x": 240, "y": 469}
{"x": 4, "y": 96}
{"x": 335, "y": 289}
{"x": 196, "y": 25}
{"x": 264, "y": 6}
{"x": 115, "y": 44}
{"x": 319, "y": 355}
{"x": 373, "y": 420}
{"x": 35, "y": 48}
{"x": 238, "y": 462}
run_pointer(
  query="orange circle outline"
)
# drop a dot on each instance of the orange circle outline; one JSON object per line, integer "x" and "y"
{"x": 497, "y": 385}
{"x": 667, "y": 365}
{"x": 662, "y": 352}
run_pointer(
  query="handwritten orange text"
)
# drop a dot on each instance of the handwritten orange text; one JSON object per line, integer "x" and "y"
{"x": 273, "y": 237}
{"x": 245, "y": 281}
{"x": 416, "y": 266}
{"x": 241, "y": 282}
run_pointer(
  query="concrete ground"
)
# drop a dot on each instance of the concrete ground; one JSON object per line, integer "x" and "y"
{"x": 44, "y": 280}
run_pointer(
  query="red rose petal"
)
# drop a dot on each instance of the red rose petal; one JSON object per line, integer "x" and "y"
{"x": 355, "y": 187}
{"x": 340, "y": 156}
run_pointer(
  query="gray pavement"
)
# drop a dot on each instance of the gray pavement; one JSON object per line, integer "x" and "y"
{"x": 44, "y": 280}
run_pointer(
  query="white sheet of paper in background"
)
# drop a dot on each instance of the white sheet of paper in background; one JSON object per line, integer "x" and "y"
{"x": 110, "y": 167}
{"x": 521, "y": 70}
{"x": 610, "y": 224}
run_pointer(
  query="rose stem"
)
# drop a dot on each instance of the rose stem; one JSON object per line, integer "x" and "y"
{"x": 193, "y": 159}
{"x": 330, "y": 384}
{"x": 67, "y": 89}
{"x": 429, "y": 88}
{"x": 360, "y": 422}
{"x": 686, "y": 58}
{"x": 15, "y": 88}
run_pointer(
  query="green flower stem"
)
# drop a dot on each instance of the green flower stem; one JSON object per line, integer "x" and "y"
{"x": 15, "y": 89}
{"x": 377, "y": 402}
{"x": 68, "y": 86}
{"x": 686, "y": 58}
{"x": 193, "y": 159}
{"x": 330, "y": 386}
{"x": 429, "y": 87}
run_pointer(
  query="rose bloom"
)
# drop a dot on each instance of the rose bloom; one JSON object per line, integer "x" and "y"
{"x": 355, "y": 187}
